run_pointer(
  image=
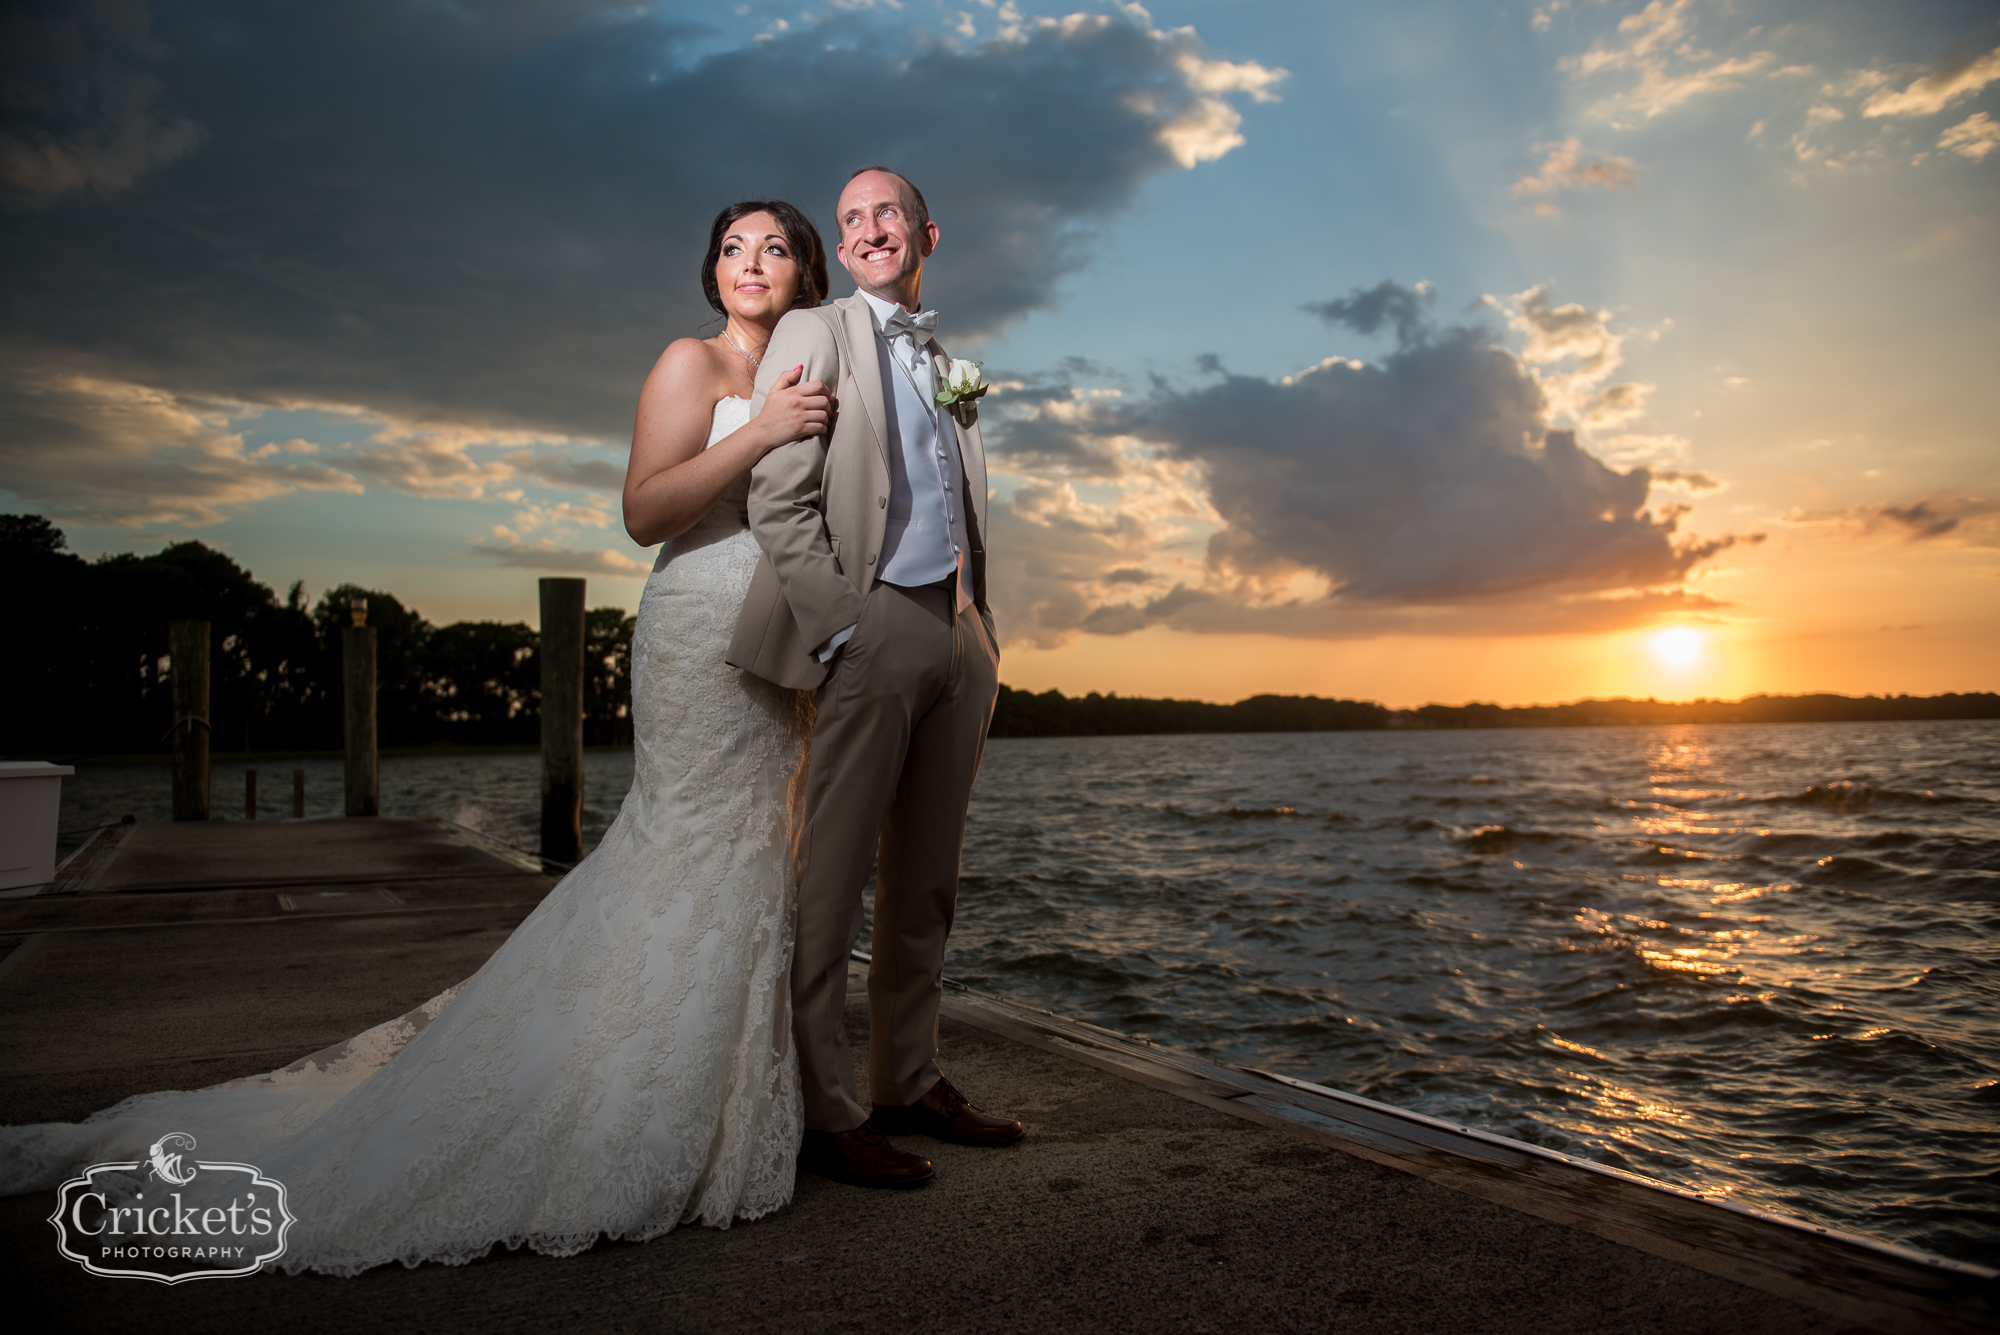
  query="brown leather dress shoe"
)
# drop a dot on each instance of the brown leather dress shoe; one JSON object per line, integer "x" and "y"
{"x": 863, "y": 1158}
{"x": 943, "y": 1112}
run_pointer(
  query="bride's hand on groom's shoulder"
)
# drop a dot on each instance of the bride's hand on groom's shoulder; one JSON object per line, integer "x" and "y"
{"x": 795, "y": 409}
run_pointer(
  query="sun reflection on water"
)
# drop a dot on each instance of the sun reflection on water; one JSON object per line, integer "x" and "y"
{"x": 1618, "y": 942}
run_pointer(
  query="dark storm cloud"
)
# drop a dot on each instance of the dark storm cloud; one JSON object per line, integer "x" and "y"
{"x": 564, "y": 470}
{"x": 493, "y": 214}
{"x": 549, "y": 555}
{"x": 1920, "y": 519}
{"x": 1429, "y": 477}
{"x": 81, "y": 109}
{"x": 1406, "y": 310}
{"x": 1426, "y": 479}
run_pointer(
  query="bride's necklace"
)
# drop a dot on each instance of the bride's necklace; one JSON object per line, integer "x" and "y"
{"x": 754, "y": 361}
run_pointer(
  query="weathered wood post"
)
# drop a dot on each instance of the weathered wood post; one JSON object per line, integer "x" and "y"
{"x": 187, "y": 647}
{"x": 249, "y": 794}
{"x": 364, "y": 766}
{"x": 298, "y": 794}
{"x": 562, "y": 719}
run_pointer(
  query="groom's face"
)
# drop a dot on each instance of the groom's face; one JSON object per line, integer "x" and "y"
{"x": 877, "y": 243}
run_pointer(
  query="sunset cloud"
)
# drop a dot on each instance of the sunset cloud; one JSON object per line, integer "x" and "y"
{"x": 592, "y": 513}
{"x": 1567, "y": 167}
{"x": 1655, "y": 55}
{"x": 1974, "y": 137}
{"x": 469, "y": 463}
{"x": 1058, "y": 562}
{"x": 1862, "y": 116}
{"x": 1571, "y": 351}
{"x": 1354, "y": 494}
{"x": 436, "y": 463}
{"x": 1655, "y": 61}
{"x": 1688, "y": 479}
{"x": 103, "y": 451}
{"x": 1936, "y": 91}
{"x": 1208, "y": 127}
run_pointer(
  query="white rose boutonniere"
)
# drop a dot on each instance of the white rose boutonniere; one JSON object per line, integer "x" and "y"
{"x": 961, "y": 389}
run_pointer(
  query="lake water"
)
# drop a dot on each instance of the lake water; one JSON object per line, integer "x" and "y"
{"x": 1756, "y": 960}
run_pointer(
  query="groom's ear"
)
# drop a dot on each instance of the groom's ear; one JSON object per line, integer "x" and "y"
{"x": 929, "y": 239}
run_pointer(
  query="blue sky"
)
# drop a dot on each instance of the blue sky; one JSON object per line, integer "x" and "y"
{"x": 364, "y": 292}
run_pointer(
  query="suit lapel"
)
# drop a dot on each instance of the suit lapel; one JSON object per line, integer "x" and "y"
{"x": 865, "y": 365}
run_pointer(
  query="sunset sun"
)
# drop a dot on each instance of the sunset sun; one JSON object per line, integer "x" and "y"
{"x": 1677, "y": 646}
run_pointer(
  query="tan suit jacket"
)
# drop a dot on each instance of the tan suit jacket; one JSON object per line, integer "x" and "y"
{"x": 819, "y": 507}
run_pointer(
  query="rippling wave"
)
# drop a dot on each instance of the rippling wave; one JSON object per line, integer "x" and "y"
{"x": 1754, "y": 960}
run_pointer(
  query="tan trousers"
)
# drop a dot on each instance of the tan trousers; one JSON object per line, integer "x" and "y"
{"x": 896, "y": 744}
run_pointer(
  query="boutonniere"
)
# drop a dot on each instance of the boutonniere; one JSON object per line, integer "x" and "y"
{"x": 961, "y": 390}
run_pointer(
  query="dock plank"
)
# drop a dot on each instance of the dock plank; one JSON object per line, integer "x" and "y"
{"x": 212, "y": 855}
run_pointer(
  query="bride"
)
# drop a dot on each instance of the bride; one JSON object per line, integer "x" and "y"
{"x": 624, "y": 1062}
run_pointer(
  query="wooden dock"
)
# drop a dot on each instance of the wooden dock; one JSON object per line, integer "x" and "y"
{"x": 1157, "y": 1191}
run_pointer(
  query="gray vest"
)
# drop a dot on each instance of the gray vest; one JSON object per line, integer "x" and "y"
{"x": 925, "y": 539}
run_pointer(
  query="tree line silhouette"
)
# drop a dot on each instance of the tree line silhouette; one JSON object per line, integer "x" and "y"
{"x": 1751, "y": 709}
{"x": 1052, "y": 714}
{"x": 87, "y": 673}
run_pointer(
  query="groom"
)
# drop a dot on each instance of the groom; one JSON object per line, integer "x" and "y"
{"x": 872, "y": 591}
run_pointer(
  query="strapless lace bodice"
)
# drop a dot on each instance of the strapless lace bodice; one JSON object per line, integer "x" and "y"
{"x": 731, "y": 413}
{"x": 731, "y": 511}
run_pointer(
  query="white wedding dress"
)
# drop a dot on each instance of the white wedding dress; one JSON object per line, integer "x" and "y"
{"x": 622, "y": 1064}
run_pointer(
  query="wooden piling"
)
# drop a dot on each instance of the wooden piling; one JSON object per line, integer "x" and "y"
{"x": 562, "y": 719}
{"x": 249, "y": 794}
{"x": 364, "y": 766}
{"x": 187, "y": 646}
{"x": 298, "y": 794}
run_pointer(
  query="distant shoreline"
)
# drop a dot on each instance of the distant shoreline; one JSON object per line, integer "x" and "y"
{"x": 1052, "y": 714}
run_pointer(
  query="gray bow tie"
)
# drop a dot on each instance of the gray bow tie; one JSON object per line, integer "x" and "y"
{"x": 920, "y": 328}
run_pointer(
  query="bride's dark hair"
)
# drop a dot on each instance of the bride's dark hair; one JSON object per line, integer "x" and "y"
{"x": 798, "y": 230}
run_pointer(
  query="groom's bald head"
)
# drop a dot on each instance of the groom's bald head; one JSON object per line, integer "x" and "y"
{"x": 913, "y": 198}
{"x": 886, "y": 234}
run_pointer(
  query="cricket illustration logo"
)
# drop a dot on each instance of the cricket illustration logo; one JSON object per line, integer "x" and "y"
{"x": 166, "y": 1157}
